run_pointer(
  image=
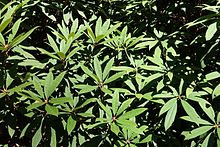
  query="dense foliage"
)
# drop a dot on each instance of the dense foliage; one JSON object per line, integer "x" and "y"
{"x": 109, "y": 73}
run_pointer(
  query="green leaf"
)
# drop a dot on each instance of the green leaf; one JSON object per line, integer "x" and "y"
{"x": 132, "y": 113}
{"x": 196, "y": 132}
{"x": 114, "y": 77}
{"x": 198, "y": 120}
{"x": 129, "y": 125}
{"x": 61, "y": 100}
{"x": 24, "y": 130}
{"x": 114, "y": 128}
{"x": 85, "y": 88}
{"x": 106, "y": 109}
{"x": 21, "y": 38}
{"x": 53, "y": 43}
{"x": 205, "y": 143}
{"x": 35, "y": 105}
{"x": 37, "y": 136}
{"x": 164, "y": 95}
{"x": 37, "y": 86}
{"x": 207, "y": 108}
{"x": 212, "y": 29}
{"x": 190, "y": 111}
{"x": 181, "y": 86}
{"x": 130, "y": 85}
{"x": 108, "y": 68}
{"x": 212, "y": 76}
{"x": 160, "y": 85}
{"x": 124, "y": 106}
{"x": 11, "y": 131}
{"x": 89, "y": 73}
{"x": 47, "y": 84}
{"x": 43, "y": 51}
{"x": 50, "y": 84}
{"x": 98, "y": 27}
{"x": 170, "y": 117}
{"x": 71, "y": 123}
{"x": 115, "y": 102}
{"x": 53, "y": 140}
{"x": 5, "y": 23}
{"x": 2, "y": 40}
{"x": 98, "y": 68}
{"x": 216, "y": 91}
{"x": 168, "y": 106}
{"x": 52, "y": 110}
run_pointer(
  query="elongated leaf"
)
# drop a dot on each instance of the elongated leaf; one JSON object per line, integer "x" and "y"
{"x": 115, "y": 102}
{"x": 108, "y": 111}
{"x": 51, "y": 110}
{"x": 89, "y": 73}
{"x": 53, "y": 140}
{"x": 124, "y": 106}
{"x": 37, "y": 86}
{"x": 71, "y": 123}
{"x": 190, "y": 111}
{"x": 206, "y": 141}
{"x": 212, "y": 29}
{"x": 53, "y": 44}
{"x": 207, "y": 108}
{"x": 196, "y": 132}
{"x": 108, "y": 68}
{"x": 132, "y": 113}
{"x": 98, "y": 68}
{"x": 61, "y": 100}
{"x": 85, "y": 88}
{"x": 37, "y": 136}
{"x": 114, "y": 77}
{"x": 43, "y": 51}
{"x": 114, "y": 128}
{"x": 35, "y": 105}
{"x": 98, "y": 27}
{"x": 5, "y": 23}
{"x": 170, "y": 117}
{"x": 216, "y": 91}
{"x": 21, "y": 38}
{"x": 47, "y": 84}
{"x": 212, "y": 76}
{"x": 168, "y": 106}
